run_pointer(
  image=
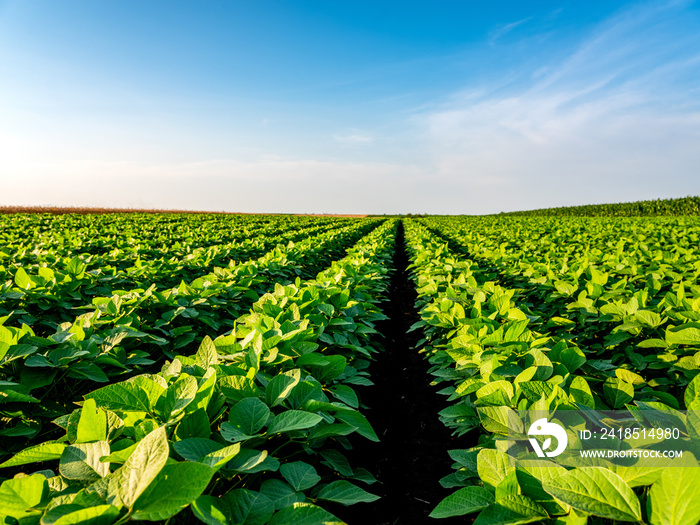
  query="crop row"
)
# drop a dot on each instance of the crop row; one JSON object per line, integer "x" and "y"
{"x": 508, "y": 359}
{"x": 73, "y": 273}
{"x": 249, "y": 429}
{"x": 120, "y": 334}
{"x": 54, "y": 295}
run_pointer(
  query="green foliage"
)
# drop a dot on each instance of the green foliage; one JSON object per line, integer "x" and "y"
{"x": 241, "y": 426}
{"x": 560, "y": 314}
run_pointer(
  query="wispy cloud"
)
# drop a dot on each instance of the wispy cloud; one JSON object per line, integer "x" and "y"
{"x": 504, "y": 29}
{"x": 609, "y": 122}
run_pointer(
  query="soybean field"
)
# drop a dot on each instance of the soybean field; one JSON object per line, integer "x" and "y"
{"x": 296, "y": 370}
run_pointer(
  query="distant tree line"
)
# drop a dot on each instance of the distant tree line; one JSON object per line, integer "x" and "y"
{"x": 658, "y": 207}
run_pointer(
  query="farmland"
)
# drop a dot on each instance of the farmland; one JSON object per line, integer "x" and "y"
{"x": 250, "y": 369}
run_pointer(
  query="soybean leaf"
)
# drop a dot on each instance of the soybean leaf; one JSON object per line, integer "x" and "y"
{"x": 597, "y": 491}
{"x": 500, "y": 420}
{"x": 511, "y": 510}
{"x": 177, "y": 397}
{"x": 293, "y": 420}
{"x": 346, "y": 493}
{"x": 77, "y": 515}
{"x": 206, "y": 354}
{"x": 122, "y": 396}
{"x": 464, "y": 501}
{"x": 581, "y": 393}
{"x": 128, "y": 482}
{"x": 301, "y": 476}
{"x": 236, "y": 506}
{"x": 493, "y": 466}
{"x": 673, "y": 498}
{"x": 280, "y": 493}
{"x": 43, "y": 452}
{"x": 532, "y": 474}
{"x": 249, "y": 415}
{"x": 617, "y": 392}
{"x": 281, "y": 386}
{"x": 173, "y": 489}
{"x": 304, "y": 514}
{"x": 82, "y": 461}
{"x": 356, "y": 419}
{"x": 19, "y": 495}
{"x": 692, "y": 394}
{"x": 92, "y": 425}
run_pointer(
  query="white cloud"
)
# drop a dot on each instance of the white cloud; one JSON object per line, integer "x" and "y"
{"x": 504, "y": 29}
{"x": 616, "y": 120}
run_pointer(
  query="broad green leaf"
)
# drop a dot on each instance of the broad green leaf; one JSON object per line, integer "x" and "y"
{"x": 206, "y": 451}
{"x": 346, "y": 394}
{"x": 70, "y": 515}
{"x": 43, "y": 452}
{"x": 493, "y": 466}
{"x": 128, "y": 482}
{"x": 281, "y": 386}
{"x": 249, "y": 415}
{"x": 581, "y": 393}
{"x": 82, "y": 461}
{"x": 511, "y": 510}
{"x": 509, "y": 486}
{"x": 534, "y": 390}
{"x": 22, "y": 280}
{"x": 629, "y": 376}
{"x": 206, "y": 354}
{"x": 280, "y": 493}
{"x": 19, "y": 495}
{"x": 357, "y": 420}
{"x": 617, "y": 392}
{"x": 209, "y": 510}
{"x": 464, "y": 501}
{"x": 648, "y": 318}
{"x": 500, "y": 420}
{"x": 597, "y": 491}
{"x": 236, "y": 388}
{"x": 692, "y": 394}
{"x": 236, "y": 506}
{"x": 173, "y": 489}
{"x": 673, "y": 499}
{"x": 641, "y": 476}
{"x": 304, "y": 514}
{"x": 75, "y": 266}
{"x": 338, "y": 462}
{"x": 505, "y": 387}
{"x": 301, "y": 476}
{"x": 532, "y": 474}
{"x": 247, "y": 460}
{"x": 293, "y": 420}
{"x": 92, "y": 425}
{"x": 538, "y": 359}
{"x": 194, "y": 424}
{"x": 121, "y": 396}
{"x": 346, "y": 493}
{"x": 205, "y": 389}
{"x": 177, "y": 397}
{"x": 683, "y": 335}
{"x": 572, "y": 358}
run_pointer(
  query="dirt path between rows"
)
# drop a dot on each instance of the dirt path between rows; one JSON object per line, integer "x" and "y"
{"x": 403, "y": 409}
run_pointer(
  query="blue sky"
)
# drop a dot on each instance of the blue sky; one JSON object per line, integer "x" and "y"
{"x": 348, "y": 107}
